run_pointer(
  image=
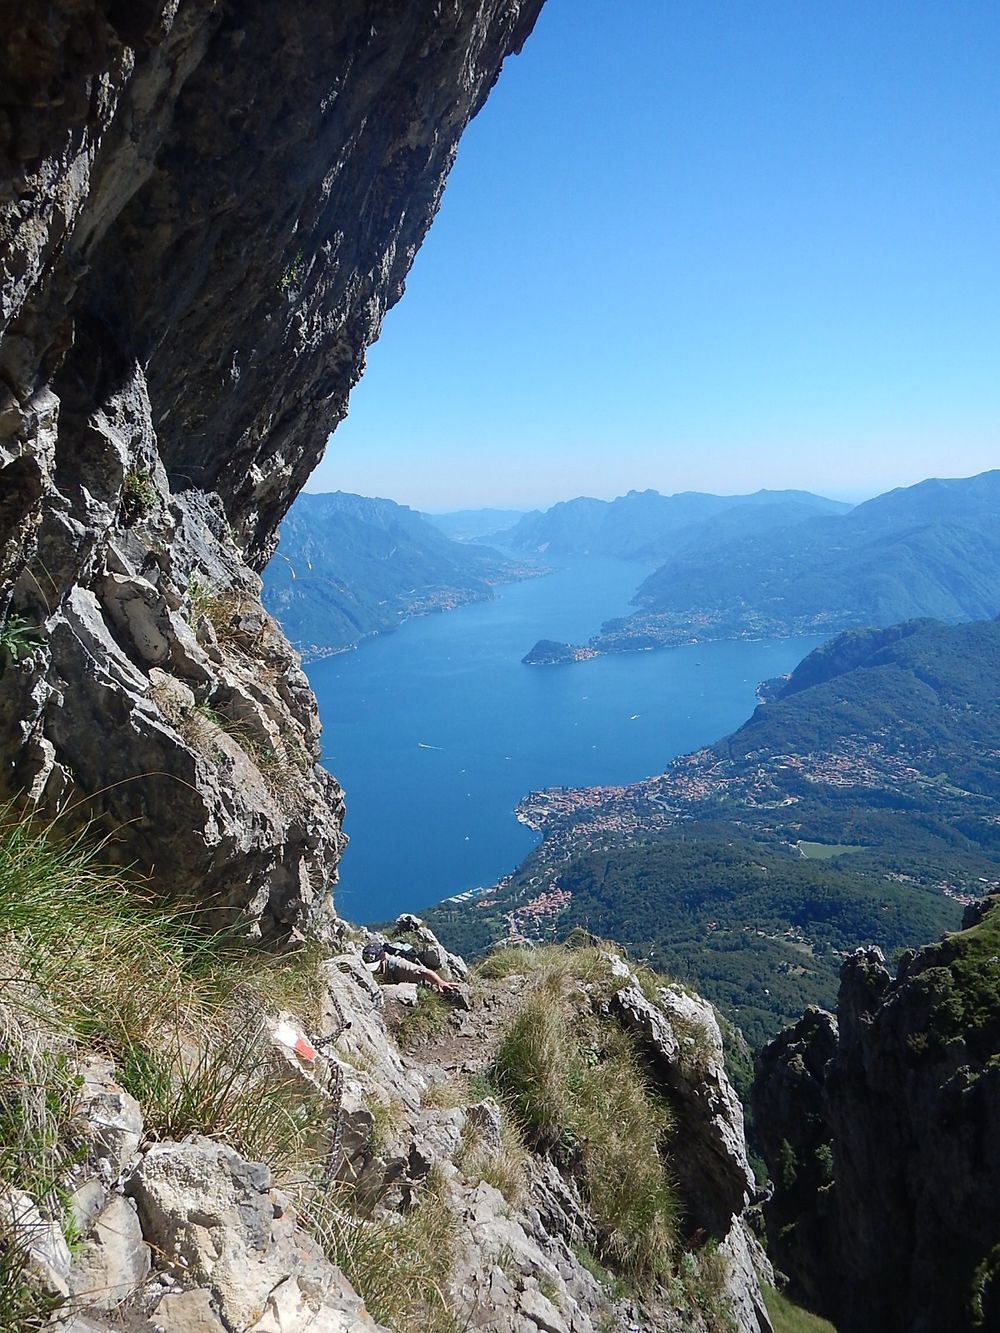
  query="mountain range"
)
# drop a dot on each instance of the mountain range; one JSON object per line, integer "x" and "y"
{"x": 927, "y": 550}
{"x": 469, "y": 525}
{"x": 348, "y": 567}
{"x": 649, "y": 527}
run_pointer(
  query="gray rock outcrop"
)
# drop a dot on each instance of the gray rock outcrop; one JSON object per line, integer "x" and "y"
{"x": 205, "y": 210}
{"x": 879, "y": 1130}
{"x": 683, "y": 1045}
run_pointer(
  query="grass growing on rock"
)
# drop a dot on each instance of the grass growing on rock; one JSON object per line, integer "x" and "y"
{"x": 89, "y": 960}
{"x": 960, "y": 980}
{"x": 422, "y": 1021}
{"x": 399, "y": 1264}
{"x": 505, "y": 1169}
{"x": 787, "y": 1317}
{"x": 577, "y": 1085}
{"x": 88, "y": 957}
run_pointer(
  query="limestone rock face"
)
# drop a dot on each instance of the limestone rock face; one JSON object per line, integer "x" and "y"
{"x": 114, "y": 1260}
{"x": 880, "y": 1132}
{"x": 685, "y": 1052}
{"x": 217, "y": 1221}
{"x": 206, "y": 208}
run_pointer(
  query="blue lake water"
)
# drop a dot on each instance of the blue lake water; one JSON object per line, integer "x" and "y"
{"x": 437, "y": 730}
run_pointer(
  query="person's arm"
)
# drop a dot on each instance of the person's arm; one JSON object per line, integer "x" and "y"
{"x": 438, "y": 982}
{"x": 402, "y": 969}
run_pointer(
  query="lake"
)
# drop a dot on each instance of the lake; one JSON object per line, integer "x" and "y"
{"x": 437, "y": 730}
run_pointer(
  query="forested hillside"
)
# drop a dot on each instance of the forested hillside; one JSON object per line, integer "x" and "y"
{"x": 348, "y": 567}
{"x": 860, "y": 806}
{"x": 926, "y": 550}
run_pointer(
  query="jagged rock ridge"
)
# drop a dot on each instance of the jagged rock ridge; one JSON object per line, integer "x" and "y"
{"x": 205, "y": 210}
{"x": 879, "y": 1128}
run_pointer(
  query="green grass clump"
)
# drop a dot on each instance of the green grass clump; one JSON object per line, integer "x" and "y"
{"x": 614, "y": 1286}
{"x": 231, "y": 1084}
{"x": 960, "y": 980}
{"x": 87, "y": 956}
{"x": 423, "y": 1021}
{"x": 577, "y": 1085}
{"x": 787, "y": 1317}
{"x": 399, "y": 1264}
{"x": 552, "y": 963}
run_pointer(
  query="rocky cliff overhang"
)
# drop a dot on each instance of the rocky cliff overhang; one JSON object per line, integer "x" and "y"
{"x": 206, "y": 208}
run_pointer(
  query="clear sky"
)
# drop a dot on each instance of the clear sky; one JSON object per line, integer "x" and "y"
{"x": 704, "y": 244}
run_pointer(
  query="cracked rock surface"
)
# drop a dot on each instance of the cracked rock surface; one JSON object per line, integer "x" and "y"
{"x": 206, "y": 207}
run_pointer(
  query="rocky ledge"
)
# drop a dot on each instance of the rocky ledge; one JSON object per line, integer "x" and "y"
{"x": 206, "y": 208}
{"x": 422, "y": 1202}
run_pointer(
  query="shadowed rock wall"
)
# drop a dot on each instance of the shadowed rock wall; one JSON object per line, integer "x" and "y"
{"x": 880, "y": 1133}
{"x": 206, "y": 207}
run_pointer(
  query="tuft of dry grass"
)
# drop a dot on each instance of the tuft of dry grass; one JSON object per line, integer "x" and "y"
{"x": 579, "y": 1088}
{"x": 506, "y": 1170}
{"x": 398, "y": 1263}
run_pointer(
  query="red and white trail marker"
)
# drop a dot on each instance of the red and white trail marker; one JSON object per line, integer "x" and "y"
{"x": 289, "y": 1036}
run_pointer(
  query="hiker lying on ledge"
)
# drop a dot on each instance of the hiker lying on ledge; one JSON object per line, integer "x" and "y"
{"x": 391, "y": 968}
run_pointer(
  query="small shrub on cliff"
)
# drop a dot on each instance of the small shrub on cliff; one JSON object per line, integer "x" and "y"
{"x": 18, "y": 638}
{"x": 139, "y": 493}
{"x": 699, "y": 1289}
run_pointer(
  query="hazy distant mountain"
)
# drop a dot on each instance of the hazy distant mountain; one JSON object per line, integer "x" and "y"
{"x": 466, "y": 525}
{"x": 647, "y": 526}
{"x": 348, "y": 567}
{"x": 926, "y": 550}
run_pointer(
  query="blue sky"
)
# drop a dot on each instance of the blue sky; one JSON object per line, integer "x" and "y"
{"x": 704, "y": 244}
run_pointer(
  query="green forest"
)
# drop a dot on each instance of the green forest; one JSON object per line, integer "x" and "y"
{"x": 720, "y": 894}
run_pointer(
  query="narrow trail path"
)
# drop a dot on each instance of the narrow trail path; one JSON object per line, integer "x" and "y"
{"x": 466, "y": 1044}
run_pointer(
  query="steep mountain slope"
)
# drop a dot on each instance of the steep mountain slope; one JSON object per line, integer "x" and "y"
{"x": 348, "y": 567}
{"x": 879, "y": 1129}
{"x": 920, "y": 696}
{"x": 926, "y": 550}
{"x": 647, "y": 526}
{"x": 205, "y": 211}
{"x": 242, "y": 1142}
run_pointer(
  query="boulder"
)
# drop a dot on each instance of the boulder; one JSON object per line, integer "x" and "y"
{"x": 188, "y": 1311}
{"x": 683, "y": 1044}
{"x": 41, "y": 1241}
{"x": 209, "y": 1214}
{"x": 113, "y": 1261}
{"x": 214, "y": 1219}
